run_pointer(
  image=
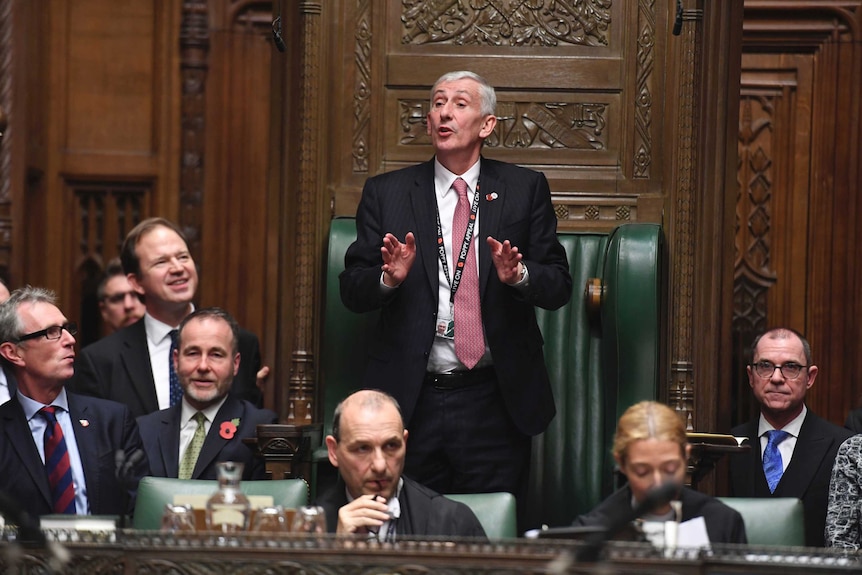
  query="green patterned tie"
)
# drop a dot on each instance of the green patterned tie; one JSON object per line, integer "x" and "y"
{"x": 190, "y": 457}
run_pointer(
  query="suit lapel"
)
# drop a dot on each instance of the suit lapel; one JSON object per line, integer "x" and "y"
{"x": 423, "y": 199}
{"x": 135, "y": 356}
{"x": 491, "y": 201}
{"x": 169, "y": 440}
{"x": 214, "y": 442}
{"x": 19, "y": 437}
{"x": 811, "y": 448}
{"x": 87, "y": 448}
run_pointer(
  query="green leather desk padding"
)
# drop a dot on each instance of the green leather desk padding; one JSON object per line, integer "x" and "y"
{"x": 771, "y": 520}
{"x": 496, "y": 512}
{"x": 596, "y": 371}
{"x": 155, "y": 492}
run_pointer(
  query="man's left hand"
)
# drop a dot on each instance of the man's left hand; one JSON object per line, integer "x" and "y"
{"x": 507, "y": 260}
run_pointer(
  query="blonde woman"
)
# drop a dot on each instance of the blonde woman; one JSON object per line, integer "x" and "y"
{"x": 651, "y": 450}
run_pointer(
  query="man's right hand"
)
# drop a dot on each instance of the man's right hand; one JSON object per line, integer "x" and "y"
{"x": 398, "y": 258}
{"x": 365, "y": 514}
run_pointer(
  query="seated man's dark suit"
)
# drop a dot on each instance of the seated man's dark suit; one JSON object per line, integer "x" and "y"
{"x": 854, "y": 420}
{"x": 423, "y": 512}
{"x": 723, "y": 524}
{"x": 101, "y": 428}
{"x": 118, "y": 367}
{"x": 160, "y": 432}
{"x": 806, "y": 477}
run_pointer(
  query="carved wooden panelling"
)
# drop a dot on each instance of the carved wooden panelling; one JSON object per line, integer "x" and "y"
{"x": 105, "y": 211}
{"x": 501, "y": 23}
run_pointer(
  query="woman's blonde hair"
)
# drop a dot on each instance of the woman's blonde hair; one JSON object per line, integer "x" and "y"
{"x": 648, "y": 420}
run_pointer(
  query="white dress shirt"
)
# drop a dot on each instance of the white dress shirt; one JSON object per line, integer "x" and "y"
{"x": 786, "y": 447}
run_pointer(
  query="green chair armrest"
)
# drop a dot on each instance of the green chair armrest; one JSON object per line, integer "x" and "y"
{"x": 495, "y": 511}
{"x": 771, "y": 520}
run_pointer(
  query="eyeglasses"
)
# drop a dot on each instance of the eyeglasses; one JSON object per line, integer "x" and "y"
{"x": 51, "y": 332}
{"x": 788, "y": 370}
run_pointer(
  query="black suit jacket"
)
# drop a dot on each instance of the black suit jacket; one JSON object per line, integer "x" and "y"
{"x": 118, "y": 367}
{"x": 806, "y": 477}
{"x": 423, "y": 512}
{"x": 854, "y": 420}
{"x": 515, "y": 204}
{"x": 160, "y": 432}
{"x": 723, "y": 524}
{"x": 101, "y": 428}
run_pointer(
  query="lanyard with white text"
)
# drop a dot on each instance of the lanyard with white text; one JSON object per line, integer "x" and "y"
{"x": 465, "y": 246}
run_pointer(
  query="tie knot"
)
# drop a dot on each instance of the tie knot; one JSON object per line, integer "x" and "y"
{"x": 776, "y": 436}
{"x": 49, "y": 412}
{"x": 461, "y": 187}
{"x": 200, "y": 418}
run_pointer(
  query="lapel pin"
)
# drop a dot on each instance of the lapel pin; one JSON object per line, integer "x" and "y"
{"x": 491, "y": 197}
{"x": 84, "y": 423}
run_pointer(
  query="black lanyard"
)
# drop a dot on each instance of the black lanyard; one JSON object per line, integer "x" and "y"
{"x": 465, "y": 246}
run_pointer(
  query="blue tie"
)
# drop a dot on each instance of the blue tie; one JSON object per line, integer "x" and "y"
{"x": 176, "y": 391}
{"x": 773, "y": 467}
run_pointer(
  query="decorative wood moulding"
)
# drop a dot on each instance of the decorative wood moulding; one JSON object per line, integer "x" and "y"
{"x": 108, "y": 211}
{"x": 498, "y": 23}
{"x": 595, "y": 210}
{"x": 643, "y": 100}
{"x": 362, "y": 87}
{"x": 7, "y": 52}
{"x": 524, "y": 125}
{"x": 799, "y": 24}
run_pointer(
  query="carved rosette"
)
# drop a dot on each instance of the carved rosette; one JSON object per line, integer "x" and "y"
{"x": 506, "y": 23}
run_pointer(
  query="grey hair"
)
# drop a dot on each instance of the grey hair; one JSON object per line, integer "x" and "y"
{"x": 487, "y": 95}
{"x": 11, "y": 326}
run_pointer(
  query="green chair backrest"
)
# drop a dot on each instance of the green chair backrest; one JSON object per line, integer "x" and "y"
{"x": 495, "y": 511}
{"x": 771, "y": 520}
{"x": 155, "y": 492}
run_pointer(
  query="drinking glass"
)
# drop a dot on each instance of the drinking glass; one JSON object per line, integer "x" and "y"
{"x": 178, "y": 518}
{"x": 309, "y": 519}
{"x": 270, "y": 519}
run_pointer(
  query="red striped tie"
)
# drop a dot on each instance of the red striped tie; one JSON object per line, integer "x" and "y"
{"x": 469, "y": 335}
{"x": 57, "y": 464}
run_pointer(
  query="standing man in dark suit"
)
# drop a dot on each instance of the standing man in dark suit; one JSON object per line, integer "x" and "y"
{"x": 456, "y": 253}
{"x": 792, "y": 450}
{"x": 371, "y": 498}
{"x": 38, "y": 343}
{"x": 208, "y": 425}
{"x": 132, "y": 365}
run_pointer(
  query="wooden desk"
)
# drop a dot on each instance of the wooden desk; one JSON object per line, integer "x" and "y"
{"x": 154, "y": 553}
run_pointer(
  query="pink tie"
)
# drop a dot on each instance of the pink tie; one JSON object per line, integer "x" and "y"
{"x": 469, "y": 335}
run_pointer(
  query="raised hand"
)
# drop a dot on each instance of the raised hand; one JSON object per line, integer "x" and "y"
{"x": 398, "y": 258}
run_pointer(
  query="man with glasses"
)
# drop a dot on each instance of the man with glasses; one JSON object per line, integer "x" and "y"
{"x": 792, "y": 450}
{"x": 119, "y": 303}
{"x": 60, "y": 452}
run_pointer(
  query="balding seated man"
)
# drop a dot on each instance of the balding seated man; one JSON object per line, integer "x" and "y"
{"x": 371, "y": 497}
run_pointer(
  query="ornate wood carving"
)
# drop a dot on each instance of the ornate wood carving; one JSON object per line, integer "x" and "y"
{"x": 533, "y": 125}
{"x": 106, "y": 212}
{"x": 302, "y": 368}
{"x": 643, "y": 89}
{"x": 194, "y": 50}
{"x": 601, "y": 209}
{"x": 7, "y": 135}
{"x": 498, "y": 23}
{"x": 362, "y": 87}
{"x": 681, "y": 390}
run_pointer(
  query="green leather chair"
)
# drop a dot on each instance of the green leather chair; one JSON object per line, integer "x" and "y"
{"x": 155, "y": 492}
{"x": 598, "y": 366}
{"x": 496, "y": 512}
{"x": 771, "y": 520}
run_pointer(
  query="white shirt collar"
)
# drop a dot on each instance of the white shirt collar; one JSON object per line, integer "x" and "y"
{"x": 443, "y": 178}
{"x": 792, "y": 428}
{"x": 188, "y": 412}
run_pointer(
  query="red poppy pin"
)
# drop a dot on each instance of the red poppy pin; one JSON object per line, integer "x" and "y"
{"x": 228, "y": 428}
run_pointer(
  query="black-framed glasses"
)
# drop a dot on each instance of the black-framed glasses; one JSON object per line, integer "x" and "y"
{"x": 51, "y": 332}
{"x": 789, "y": 370}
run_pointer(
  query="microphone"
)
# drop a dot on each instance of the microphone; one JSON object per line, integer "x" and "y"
{"x": 125, "y": 473}
{"x": 656, "y": 497}
{"x": 677, "y": 23}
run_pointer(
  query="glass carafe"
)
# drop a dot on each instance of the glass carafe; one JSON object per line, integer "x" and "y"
{"x": 228, "y": 509}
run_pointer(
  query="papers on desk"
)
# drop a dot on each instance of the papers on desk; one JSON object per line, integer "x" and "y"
{"x": 689, "y": 534}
